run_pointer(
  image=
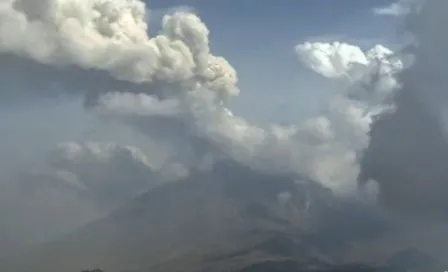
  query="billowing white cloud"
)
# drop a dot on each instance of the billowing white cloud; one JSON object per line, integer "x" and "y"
{"x": 399, "y": 8}
{"x": 342, "y": 60}
{"x": 371, "y": 84}
{"x": 332, "y": 60}
{"x": 171, "y": 90}
{"x": 370, "y": 74}
{"x": 112, "y": 36}
{"x": 176, "y": 88}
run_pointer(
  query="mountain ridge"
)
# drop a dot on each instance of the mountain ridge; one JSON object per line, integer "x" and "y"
{"x": 226, "y": 219}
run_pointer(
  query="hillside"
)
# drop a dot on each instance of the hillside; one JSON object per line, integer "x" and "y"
{"x": 230, "y": 219}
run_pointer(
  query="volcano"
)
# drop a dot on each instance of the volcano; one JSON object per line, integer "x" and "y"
{"x": 231, "y": 218}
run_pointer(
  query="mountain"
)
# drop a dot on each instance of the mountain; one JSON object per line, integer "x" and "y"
{"x": 232, "y": 218}
{"x": 72, "y": 186}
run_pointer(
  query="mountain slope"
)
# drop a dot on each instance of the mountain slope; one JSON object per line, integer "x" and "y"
{"x": 222, "y": 220}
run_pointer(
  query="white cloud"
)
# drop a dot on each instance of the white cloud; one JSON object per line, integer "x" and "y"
{"x": 112, "y": 36}
{"x": 371, "y": 83}
{"x": 172, "y": 89}
{"x": 354, "y": 66}
{"x": 398, "y": 8}
{"x": 332, "y": 60}
{"x": 182, "y": 86}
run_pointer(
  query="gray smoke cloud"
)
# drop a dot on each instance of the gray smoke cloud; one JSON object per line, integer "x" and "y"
{"x": 406, "y": 146}
{"x": 99, "y": 52}
{"x": 171, "y": 88}
{"x": 111, "y": 37}
{"x": 408, "y": 149}
{"x": 370, "y": 83}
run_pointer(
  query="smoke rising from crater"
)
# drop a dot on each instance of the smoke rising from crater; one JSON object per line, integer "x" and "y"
{"x": 170, "y": 90}
{"x": 170, "y": 87}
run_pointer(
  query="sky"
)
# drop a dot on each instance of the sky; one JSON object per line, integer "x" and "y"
{"x": 258, "y": 38}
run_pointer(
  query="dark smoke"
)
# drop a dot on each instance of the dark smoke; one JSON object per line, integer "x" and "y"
{"x": 408, "y": 152}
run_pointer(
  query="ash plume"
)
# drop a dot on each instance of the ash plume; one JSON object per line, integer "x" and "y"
{"x": 170, "y": 91}
{"x": 171, "y": 88}
{"x": 408, "y": 150}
